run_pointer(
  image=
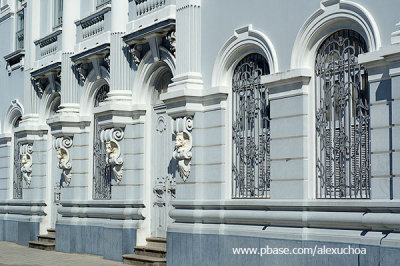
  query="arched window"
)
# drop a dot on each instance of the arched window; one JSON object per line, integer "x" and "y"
{"x": 17, "y": 174}
{"x": 342, "y": 118}
{"x": 102, "y": 173}
{"x": 250, "y": 129}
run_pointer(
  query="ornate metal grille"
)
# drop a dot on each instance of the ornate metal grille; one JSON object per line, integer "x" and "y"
{"x": 17, "y": 177}
{"x": 342, "y": 118}
{"x": 250, "y": 129}
{"x": 102, "y": 172}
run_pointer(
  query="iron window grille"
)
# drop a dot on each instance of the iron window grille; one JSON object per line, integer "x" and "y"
{"x": 250, "y": 129}
{"x": 17, "y": 174}
{"x": 102, "y": 172}
{"x": 342, "y": 119}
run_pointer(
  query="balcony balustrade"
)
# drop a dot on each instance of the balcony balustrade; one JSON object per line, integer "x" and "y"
{"x": 48, "y": 45}
{"x": 94, "y": 24}
{"x": 144, "y": 7}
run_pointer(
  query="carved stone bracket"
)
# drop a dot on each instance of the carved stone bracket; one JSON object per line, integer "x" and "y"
{"x": 61, "y": 145}
{"x": 136, "y": 52}
{"x": 170, "y": 42}
{"x": 39, "y": 84}
{"x": 111, "y": 138}
{"x": 107, "y": 62}
{"x": 182, "y": 129}
{"x": 26, "y": 160}
{"x": 82, "y": 70}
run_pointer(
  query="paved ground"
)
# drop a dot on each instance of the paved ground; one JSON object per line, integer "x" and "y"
{"x": 12, "y": 254}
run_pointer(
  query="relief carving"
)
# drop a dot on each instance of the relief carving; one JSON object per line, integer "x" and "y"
{"x": 183, "y": 145}
{"x": 26, "y": 160}
{"x": 62, "y": 145}
{"x": 110, "y": 137}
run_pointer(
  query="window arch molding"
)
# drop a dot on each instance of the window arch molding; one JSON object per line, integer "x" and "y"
{"x": 92, "y": 84}
{"x": 15, "y": 110}
{"x": 47, "y": 101}
{"x": 144, "y": 79}
{"x": 243, "y": 42}
{"x": 329, "y": 18}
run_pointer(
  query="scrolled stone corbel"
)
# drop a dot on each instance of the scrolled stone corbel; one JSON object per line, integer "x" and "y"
{"x": 26, "y": 160}
{"x": 182, "y": 129}
{"x": 111, "y": 138}
{"x": 61, "y": 145}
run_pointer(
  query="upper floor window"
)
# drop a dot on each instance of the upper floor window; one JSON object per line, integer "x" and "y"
{"x": 58, "y": 12}
{"x": 250, "y": 129}
{"x": 342, "y": 118}
{"x": 20, "y": 27}
{"x": 100, "y": 3}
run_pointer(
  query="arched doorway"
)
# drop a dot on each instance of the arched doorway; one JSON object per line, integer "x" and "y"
{"x": 162, "y": 145}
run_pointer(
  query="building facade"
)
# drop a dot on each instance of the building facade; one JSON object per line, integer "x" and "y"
{"x": 214, "y": 124}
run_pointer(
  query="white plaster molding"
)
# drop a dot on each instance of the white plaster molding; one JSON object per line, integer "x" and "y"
{"x": 145, "y": 70}
{"x": 26, "y": 159}
{"x": 89, "y": 90}
{"x": 111, "y": 138}
{"x": 332, "y": 16}
{"x": 14, "y": 111}
{"x": 182, "y": 129}
{"x": 61, "y": 145}
{"x": 244, "y": 41}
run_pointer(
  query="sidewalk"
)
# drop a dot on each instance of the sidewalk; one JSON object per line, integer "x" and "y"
{"x": 12, "y": 254}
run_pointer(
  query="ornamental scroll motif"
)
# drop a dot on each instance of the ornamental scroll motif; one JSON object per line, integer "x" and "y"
{"x": 62, "y": 145}
{"x": 26, "y": 161}
{"x": 182, "y": 129}
{"x": 110, "y": 137}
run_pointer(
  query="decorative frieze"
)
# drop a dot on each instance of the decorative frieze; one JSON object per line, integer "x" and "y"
{"x": 61, "y": 145}
{"x": 26, "y": 162}
{"x": 182, "y": 129}
{"x": 111, "y": 138}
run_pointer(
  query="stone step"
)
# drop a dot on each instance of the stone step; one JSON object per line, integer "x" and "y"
{"x": 158, "y": 252}
{"x": 42, "y": 245}
{"x": 156, "y": 242}
{"x": 49, "y": 238}
{"x": 140, "y": 260}
{"x": 51, "y": 230}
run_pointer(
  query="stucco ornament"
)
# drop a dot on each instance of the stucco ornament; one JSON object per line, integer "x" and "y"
{"x": 110, "y": 137}
{"x": 26, "y": 160}
{"x": 62, "y": 145}
{"x": 182, "y": 129}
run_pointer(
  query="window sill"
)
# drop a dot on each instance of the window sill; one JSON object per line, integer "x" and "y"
{"x": 15, "y": 60}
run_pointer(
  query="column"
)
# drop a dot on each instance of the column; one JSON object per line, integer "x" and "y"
{"x": 120, "y": 88}
{"x": 188, "y": 46}
{"x": 69, "y": 83}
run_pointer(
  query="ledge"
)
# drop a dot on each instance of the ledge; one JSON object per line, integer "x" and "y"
{"x": 104, "y": 9}
{"x": 139, "y": 35}
{"x": 290, "y": 77}
{"x": 15, "y": 60}
{"x": 43, "y": 70}
{"x": 102, "y": 209}
{"x": 55, "y": 33}
{"x": 101, "y": 49}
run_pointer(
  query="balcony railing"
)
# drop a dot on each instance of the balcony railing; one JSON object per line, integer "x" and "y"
{"x": 94, "y": 24}
{"x": 48, "y": 45}
{"x": 19, "y": 40}
{"x": 146, "y": 6}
